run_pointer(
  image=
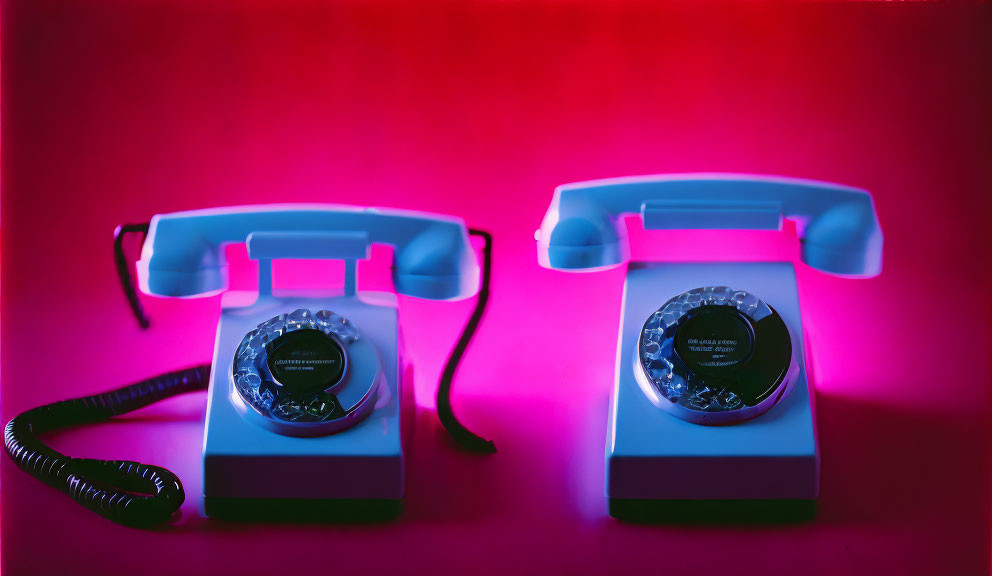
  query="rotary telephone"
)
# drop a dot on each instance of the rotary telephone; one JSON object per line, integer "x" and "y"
{"x": 710, "y": 401}
{"x": 303, "y": 409}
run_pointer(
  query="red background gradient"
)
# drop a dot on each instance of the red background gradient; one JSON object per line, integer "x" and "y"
{"x": 114, "y": 111}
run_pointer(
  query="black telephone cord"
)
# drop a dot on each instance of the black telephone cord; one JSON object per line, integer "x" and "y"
{"x": 445, "y": 414}
{"x": 124, "y": 270}
{"x": 127, "y": 492}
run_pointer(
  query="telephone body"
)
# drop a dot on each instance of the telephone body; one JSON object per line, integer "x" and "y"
{"x": 663, "y": 451}
{"x": 337, "y": 445}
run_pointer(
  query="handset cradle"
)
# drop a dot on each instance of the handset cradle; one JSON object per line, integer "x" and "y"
{"x": 348, "y": 246}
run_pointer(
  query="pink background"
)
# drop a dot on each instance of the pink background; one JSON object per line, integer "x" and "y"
{"x": 114, "y": 111}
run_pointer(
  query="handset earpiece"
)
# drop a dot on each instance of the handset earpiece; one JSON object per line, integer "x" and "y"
{"x": 577, "y": 234}
{"x": 436, "y": 264}
{"x": 845, "y": 239}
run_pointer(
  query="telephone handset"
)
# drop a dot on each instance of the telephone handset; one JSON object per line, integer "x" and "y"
{"x": 838, "y": 228}
{"x": 284, "y": 367}
{"x": 714, "y": 344}
{"x": 433, "y": 259}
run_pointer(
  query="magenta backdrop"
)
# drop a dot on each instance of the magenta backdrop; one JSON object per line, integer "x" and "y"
{"x": 114, "y": 111}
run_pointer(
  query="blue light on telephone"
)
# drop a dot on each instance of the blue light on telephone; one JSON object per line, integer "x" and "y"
{"x": 711, "y": 382}
{"x": 329, "y": 368}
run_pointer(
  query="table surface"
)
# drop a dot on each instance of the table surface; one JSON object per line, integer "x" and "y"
{"x": 115, "y": 111}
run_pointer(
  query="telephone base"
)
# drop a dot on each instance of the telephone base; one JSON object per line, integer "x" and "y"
{"x": 652, "y": 455}
{"x": 713, "y": 511}
{"x": 302, "y": 509}
{"x": 249, "y": 469}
